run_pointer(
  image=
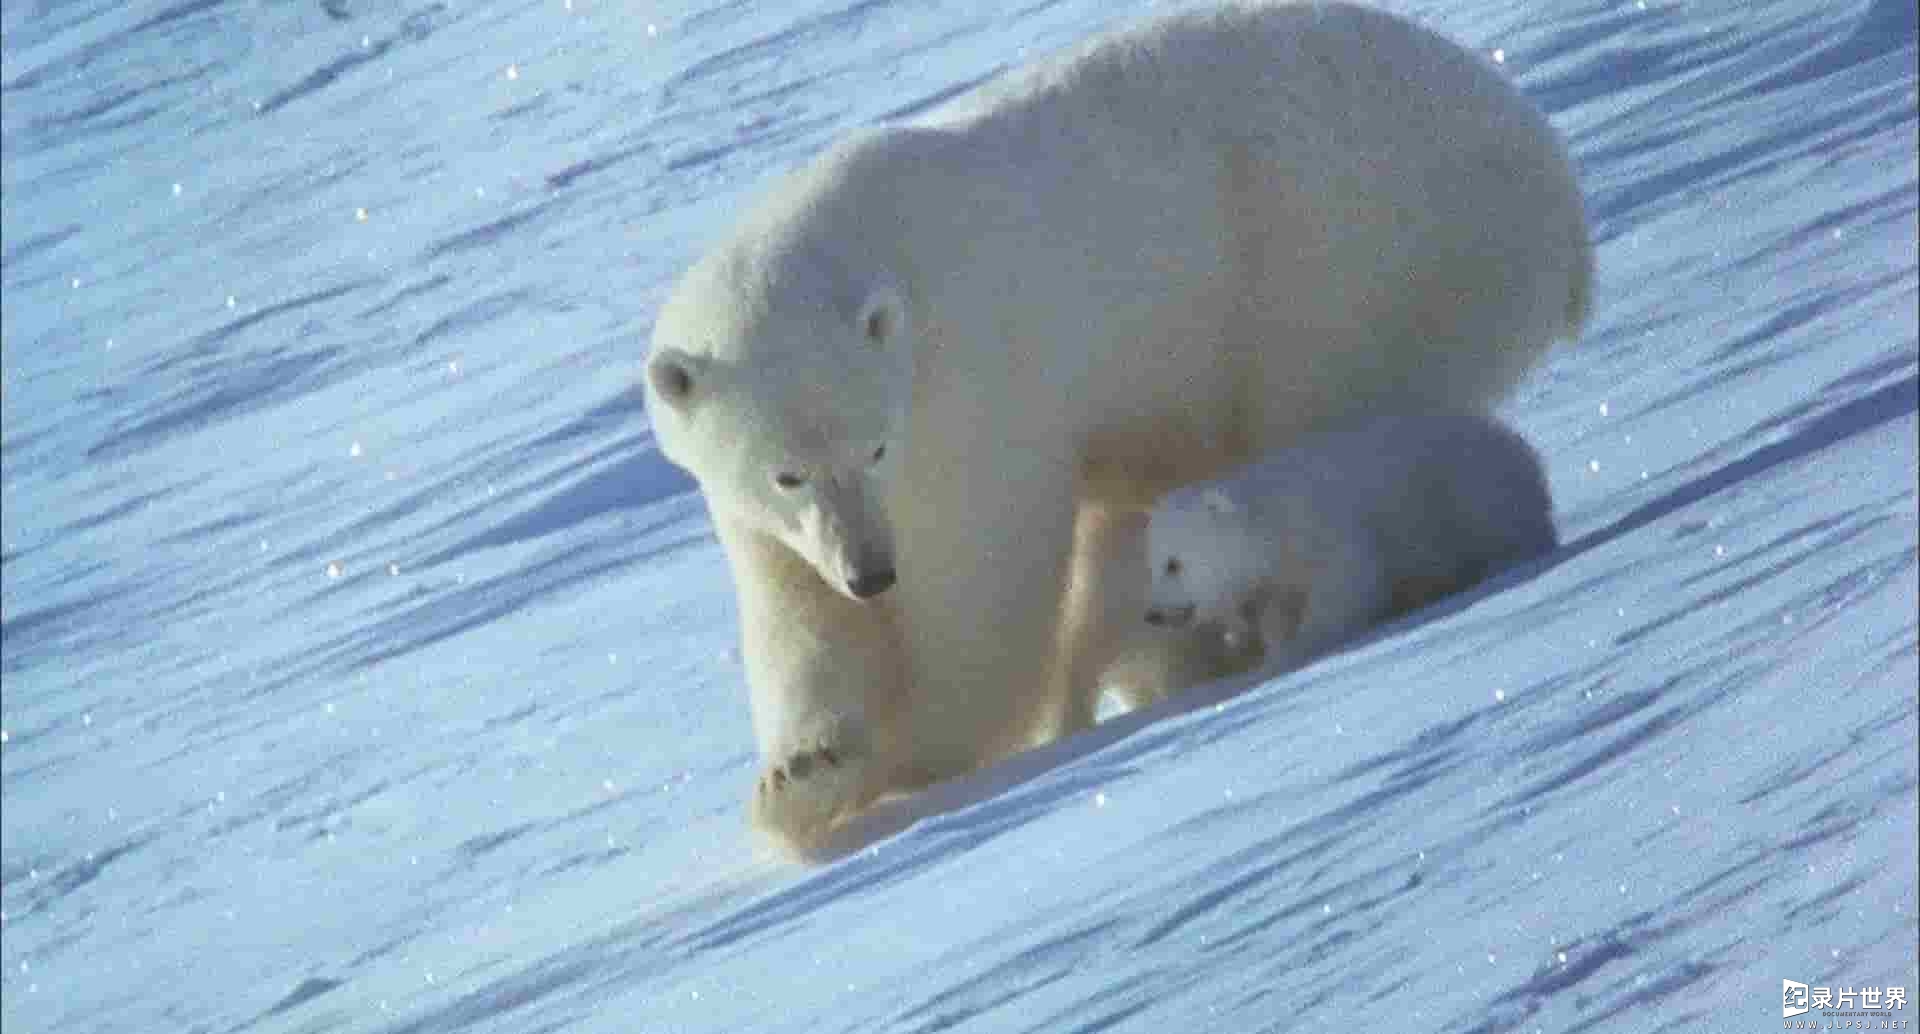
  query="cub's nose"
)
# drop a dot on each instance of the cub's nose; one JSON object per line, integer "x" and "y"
{"x": 871, "y": 584}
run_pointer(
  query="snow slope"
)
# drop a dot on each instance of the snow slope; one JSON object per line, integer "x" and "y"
{"x": 366, "y": 668}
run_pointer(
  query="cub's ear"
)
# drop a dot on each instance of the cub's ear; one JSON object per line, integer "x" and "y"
{"x": 1217, "y": 501}
{"x": 882, "y": 318}
{"x": 674, "y": 376}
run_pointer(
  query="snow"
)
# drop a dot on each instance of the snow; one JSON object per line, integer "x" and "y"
{"x": 367, "y": 669}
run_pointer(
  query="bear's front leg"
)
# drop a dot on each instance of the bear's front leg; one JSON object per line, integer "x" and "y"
{"x": 1100, "y": 622}
{"x": 1347, "y": 593}
{"x": 820, "y": 776}
{"x": 985, "y": 533}
{"x": 826, "y": 680}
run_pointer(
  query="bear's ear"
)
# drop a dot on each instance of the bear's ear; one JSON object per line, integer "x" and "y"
{"x": 674, "y": 376}
{"x": 882, "y": 317}
{"x": 1217, "y": 501}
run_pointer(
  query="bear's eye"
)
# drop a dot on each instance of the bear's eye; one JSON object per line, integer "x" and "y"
{"x": 1173, "y": 565}
{"x": 879, "y": 453}
{"x": 788, "y": 480}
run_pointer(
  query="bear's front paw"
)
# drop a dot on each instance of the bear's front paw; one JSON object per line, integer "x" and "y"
{"x": 796, "y": 768}
{"x": 799, "y": 798}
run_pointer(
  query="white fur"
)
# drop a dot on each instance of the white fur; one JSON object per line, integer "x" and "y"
{"x": 1039, "y": 301}
{"x": 1321, "y": 541}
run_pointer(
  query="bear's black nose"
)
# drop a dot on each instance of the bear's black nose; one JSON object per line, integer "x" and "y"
{"x": 869, "y": 585}
{"x": 1170, "y": 617}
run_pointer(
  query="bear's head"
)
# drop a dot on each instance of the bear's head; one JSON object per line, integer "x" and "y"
{"x": 789, "y": 401}
{"x": 1202, "y": 554}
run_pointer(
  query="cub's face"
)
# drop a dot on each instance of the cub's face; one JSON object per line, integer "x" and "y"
{"x": 794, "y": 423}
{"x": 1201, "y": 567}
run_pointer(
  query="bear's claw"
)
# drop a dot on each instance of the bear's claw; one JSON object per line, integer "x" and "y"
{"x": 800, "y": 765}
{"x": 800, "y": 799}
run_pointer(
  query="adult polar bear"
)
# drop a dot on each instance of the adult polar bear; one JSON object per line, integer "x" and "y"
{"x": 924, "y": 355}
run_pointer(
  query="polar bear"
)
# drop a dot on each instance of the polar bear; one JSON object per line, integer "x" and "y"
{"x": 931, "y": 382}
{"x": 1314, "y": 544}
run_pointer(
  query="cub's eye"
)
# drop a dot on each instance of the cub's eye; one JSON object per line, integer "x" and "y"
{"x": 879, "y": 453}
{"x": 1173, "y": 565}
{"x": 788, "y": 480}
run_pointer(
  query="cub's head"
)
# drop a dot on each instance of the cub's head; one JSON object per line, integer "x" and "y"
{"x": 1202, "y": 558}
{"x": 788, "y": 400}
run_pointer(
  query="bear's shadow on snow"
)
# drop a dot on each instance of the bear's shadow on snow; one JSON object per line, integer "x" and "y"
{"x": 967, "y": 811}
{"x": 634, "y": 481}
{"x": 623, "y": 473}
{"x": 627, "y": 473}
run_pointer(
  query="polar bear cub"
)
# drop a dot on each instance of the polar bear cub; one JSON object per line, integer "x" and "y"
{"x": 1314, "y": 544}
